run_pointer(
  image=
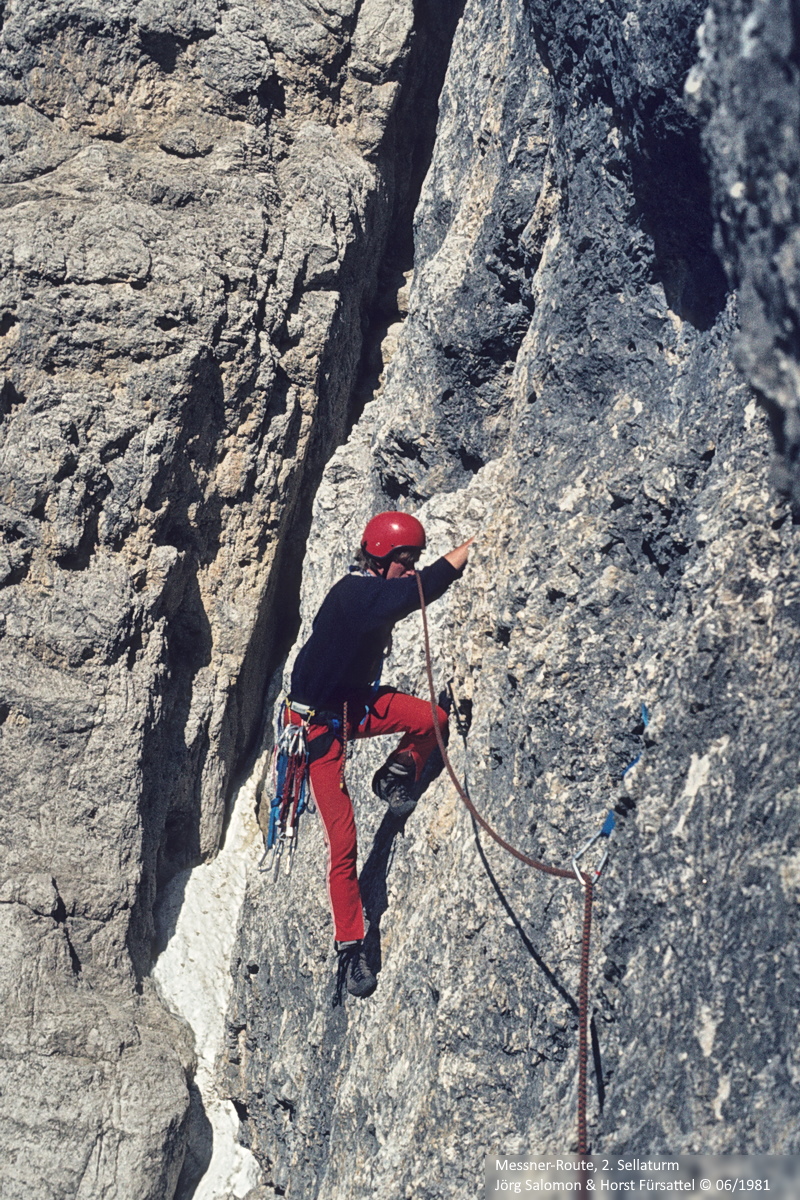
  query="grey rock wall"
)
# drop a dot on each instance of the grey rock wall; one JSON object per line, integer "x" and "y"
{"x": 202, "y": 204}
{"x": 744, "y": 86}
{"x": 564, "y": 386}
{"x": 206, "y": 255}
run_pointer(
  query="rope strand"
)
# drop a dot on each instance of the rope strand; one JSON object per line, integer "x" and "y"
{"x": 583, "y": 1018}
{"x": 342, "y": 783}
{"x": 561, "y": 872}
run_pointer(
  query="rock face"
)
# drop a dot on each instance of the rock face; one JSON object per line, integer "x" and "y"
{"x": 204, "y": 203}
{"x": 745, "y": 87}
{"x": 564, "y": 387}
{"x": 204, "y": 264}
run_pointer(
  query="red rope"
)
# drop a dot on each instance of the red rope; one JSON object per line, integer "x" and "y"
{"x": 561, "y": 872}
{"x": 342, "y": 782}
{"x": 583, "y": 1017}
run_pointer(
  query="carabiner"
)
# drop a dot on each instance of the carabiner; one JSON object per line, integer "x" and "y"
{"x": 605, "y": 832}
{"x": 277, "y": 852}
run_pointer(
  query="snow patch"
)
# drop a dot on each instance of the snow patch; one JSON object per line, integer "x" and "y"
{"x": 202, "y": 908}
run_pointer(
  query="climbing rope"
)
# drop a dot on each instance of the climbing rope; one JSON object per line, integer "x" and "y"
{"x": 587, "y": 881}
{"x": 342, "y": 783}
{"x": 583, "y": 1017}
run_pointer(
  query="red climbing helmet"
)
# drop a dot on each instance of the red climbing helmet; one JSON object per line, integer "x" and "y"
{"x": 392, "y": 531}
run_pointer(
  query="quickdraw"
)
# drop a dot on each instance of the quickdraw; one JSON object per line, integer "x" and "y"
{"x": 291, "y": 793}
{"x": 638, "y": 759}
{"x": 606, "y": 832}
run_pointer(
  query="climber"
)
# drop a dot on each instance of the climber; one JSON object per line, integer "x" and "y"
{"x": 336, "y": 694}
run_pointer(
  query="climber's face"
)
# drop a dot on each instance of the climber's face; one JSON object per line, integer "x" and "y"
{"x": 402, "y": 563}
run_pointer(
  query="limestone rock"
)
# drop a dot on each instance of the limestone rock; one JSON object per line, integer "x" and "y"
{"x": 625, "y": 637}
{"x": 206, "y": 285}
{"x": 201, "y": 201}
{"x": 745, "y": 86}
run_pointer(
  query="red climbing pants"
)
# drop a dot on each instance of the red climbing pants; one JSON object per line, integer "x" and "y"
{"x": 389, "y": 712}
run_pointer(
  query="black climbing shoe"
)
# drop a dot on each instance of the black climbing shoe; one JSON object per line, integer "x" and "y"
{"x": 394, "y": 784}
{"x": 353, "y": 970}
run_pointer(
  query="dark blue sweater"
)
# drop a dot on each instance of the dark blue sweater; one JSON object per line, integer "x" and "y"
{"x": 342, "y": 657}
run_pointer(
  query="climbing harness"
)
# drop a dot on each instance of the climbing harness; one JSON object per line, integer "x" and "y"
{"x": 291, "y": 792}
{"x": 584, "y": 878}
{"x": 289, "y": 774}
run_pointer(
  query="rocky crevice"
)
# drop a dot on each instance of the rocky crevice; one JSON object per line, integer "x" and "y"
{"x": 200, "y": 200}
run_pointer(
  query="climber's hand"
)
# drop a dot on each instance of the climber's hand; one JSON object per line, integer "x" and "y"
{"x": 458, "y": 557}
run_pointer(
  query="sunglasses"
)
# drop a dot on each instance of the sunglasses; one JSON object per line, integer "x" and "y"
{"x": 406, "y": 558}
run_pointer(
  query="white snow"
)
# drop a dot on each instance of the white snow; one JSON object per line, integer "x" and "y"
{"x": 193, "y": 975}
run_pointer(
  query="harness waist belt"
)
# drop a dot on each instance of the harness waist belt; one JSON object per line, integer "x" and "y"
{"x": 302, "y": 710}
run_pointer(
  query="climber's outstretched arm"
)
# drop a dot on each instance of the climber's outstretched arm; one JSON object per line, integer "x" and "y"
{"x": 458, "y": 557}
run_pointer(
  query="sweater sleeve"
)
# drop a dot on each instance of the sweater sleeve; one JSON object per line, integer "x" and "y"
{"x": 351, "y": 628}
{"x": 394, "y": 599}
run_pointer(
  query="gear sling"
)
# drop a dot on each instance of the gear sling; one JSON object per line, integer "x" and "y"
{"x": 315, "y": 740}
